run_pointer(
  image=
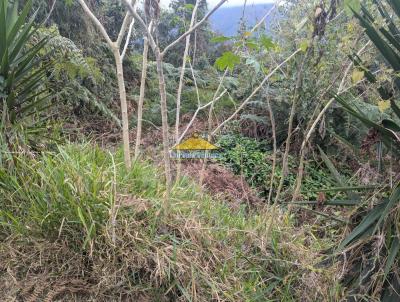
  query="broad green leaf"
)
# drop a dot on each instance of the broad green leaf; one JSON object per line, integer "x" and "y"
{"x": 346, "y": 143}
{"x": 227, "y": 60}
{"x": 330, "y": 202}
{"x": 189, "y": 6}
{"x": 344, "y": 189}
{"x": 251, "y": 44}
{"x": 351, "y": 6}
{"x": 254, "y": 63}
{"x": 366, "y": 225}
{"x": 395, "y": 6}
{"x": 247, "y": 34}
{"x": 395, "y": 108}
{"x": 329, "y": 216}
{"x": 387, "y": 135}
{"x": 389, "y": 124}
{"x": 383, "y": 105}
{"x": 394, "y": 31}
{"x": 81, "y": 217}
{"x": 357, "y": 76}
{"x": 303, "y": 45}
{"x": 3, "y": 29}
{"x": 394, "y": 200}
{"x": 391, "y": 288}
{"x": 20, "y": 21}
{"x": 390, "y": 55}
{"x": 220, "y": 39}
{"x": 267, "y": 42}
{"x": 336, "y": 175}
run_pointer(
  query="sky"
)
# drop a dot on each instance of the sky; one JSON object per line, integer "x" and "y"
{"x": 211, "y": 3}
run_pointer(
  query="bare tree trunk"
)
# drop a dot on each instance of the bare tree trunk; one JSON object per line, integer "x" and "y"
{"x": 285, "y": 160}
{"x": 178, "y": 100}
{"x": 272, "y": 119}
{"x": 180, "y": 86}
{"x": 210, "y": 124}
{"x": 164, "y": 119}
{"x": 130, "y": 30}
{"x": 50, "y": 12}
{"x": 182, "y": 74}
{"x": 163, "y": 95}
{"x": 141, "y": 98}
{"x": 114, "y": 46}
{"x": 312, "y": 127}
{"x": 124, "y": 107}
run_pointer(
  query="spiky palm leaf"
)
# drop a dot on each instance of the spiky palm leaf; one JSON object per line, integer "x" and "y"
{"x": 23, "y": 78}
{"x": 382, "y": 217}
{"x": 22, "y": 70}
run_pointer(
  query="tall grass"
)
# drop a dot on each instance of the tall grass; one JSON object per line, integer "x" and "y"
{"x": 78, "y": 214}
{"x": 69, "y": 191}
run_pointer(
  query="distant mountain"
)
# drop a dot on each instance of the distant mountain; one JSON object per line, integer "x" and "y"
{"x": 226, "y": 19}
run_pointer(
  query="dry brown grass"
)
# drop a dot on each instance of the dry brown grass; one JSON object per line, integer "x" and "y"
{"x": 201, "y": 250}
{"x": 219, "y": 181}
{"x": 188, "y": 256}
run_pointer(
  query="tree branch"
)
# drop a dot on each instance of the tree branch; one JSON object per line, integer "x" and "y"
{"x": 124, "y": 26}
{"x": 197, "y": 111}
{"x": 340, "y": 90}
{"x": 152, "y": 42}
{"x": 50, "y": 12}
{"x": 96, "y": 21}
{"x": 182, "y": 74}
{"x": 266, "y": 16}
{"x": 311, "y": 129}
{"x": 255, "y": 91}
{"x": 128, "y": 38}
{"x": 198, "y": 24}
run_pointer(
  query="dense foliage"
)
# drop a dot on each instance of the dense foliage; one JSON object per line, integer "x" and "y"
{"x": 382, "y": 218}
{"x": 305, "y": 114}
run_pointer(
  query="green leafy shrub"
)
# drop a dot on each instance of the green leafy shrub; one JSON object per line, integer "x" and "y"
{"x": 253, "y": 159}
{"x": 76, "y": 81}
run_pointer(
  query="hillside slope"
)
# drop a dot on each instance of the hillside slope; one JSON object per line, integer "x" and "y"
{"x": 226, "y": 20}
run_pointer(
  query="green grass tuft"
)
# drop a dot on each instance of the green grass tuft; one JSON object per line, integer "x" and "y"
{"x": 78, "y": 215}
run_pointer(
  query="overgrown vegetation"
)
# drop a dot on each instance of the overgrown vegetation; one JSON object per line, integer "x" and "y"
{"x": 253, "y": 160}
{"x": 303, "y": 105}
{"x": 382, "y": 219}
{"x": 64, "y": 202}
